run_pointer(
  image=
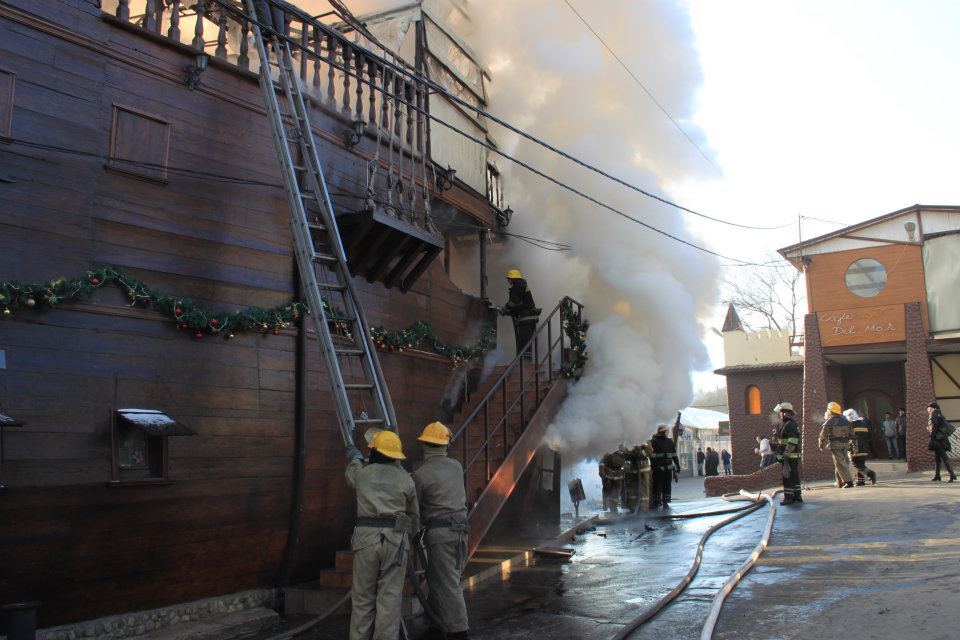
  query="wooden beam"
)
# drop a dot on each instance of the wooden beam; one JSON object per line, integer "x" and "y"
{"x": 419, "y": 269}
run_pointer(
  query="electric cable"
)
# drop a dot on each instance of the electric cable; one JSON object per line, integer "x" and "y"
{"x": 244, "y": 16}
{"x": 644, "y": 87}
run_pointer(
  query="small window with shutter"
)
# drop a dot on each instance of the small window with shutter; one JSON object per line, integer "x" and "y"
{"x": 139, "y": 144}
{"x": 7, "y": 82}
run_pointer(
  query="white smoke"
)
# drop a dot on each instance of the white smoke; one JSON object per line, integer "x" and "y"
{"x": 645, "y": 294}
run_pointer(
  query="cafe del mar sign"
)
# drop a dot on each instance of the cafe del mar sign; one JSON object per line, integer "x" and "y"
{"x": 862, "y": 326}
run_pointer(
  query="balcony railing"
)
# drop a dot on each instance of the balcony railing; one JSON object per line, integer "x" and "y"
{"x": 343, "y": 78}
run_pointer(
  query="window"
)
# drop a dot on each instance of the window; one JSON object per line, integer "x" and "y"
{"x": 753, "y": 400}
{"x": 7, "y": 81}
{"x": 140, "y": 445}
{"x": 139, "y": 144}
{"x": 866, "y": 278}
{"x": 494, "y": 187}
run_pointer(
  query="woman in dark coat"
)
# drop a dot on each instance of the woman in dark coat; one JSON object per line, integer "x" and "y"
{"x": 939, "y": 440}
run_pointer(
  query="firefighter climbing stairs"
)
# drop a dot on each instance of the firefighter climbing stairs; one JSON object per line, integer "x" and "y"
{"x": 356, "y": 379}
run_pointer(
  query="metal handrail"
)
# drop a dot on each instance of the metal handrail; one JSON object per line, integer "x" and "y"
{"x": 500, "y": 386}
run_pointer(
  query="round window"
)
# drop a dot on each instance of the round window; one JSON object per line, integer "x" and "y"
{"x": 866, "y": 278}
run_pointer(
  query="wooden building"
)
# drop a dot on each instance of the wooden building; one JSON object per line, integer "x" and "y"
{"x": 109, "y": 159}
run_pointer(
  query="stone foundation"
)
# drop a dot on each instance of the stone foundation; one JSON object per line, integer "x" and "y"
{"x": 131, "y": 625}
{"x": 761, "y": 479}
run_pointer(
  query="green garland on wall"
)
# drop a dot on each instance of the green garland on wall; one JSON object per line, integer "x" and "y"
{"x": 199, "y": 322}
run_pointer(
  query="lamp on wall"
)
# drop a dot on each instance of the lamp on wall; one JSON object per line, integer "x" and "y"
{"x": 194, "y": 70}
{"x": 504, "y": 217}
{"x": 445, "y": 179}
{"x": 353, "y": 136}
{"x": 911, "y": 227}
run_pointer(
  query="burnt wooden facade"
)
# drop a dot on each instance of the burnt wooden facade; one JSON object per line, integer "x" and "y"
{"x": 76, "y": 79}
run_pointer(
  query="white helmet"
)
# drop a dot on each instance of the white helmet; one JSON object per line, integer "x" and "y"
{"x": 783, "y": 406}
{"x": 851, "y": 415}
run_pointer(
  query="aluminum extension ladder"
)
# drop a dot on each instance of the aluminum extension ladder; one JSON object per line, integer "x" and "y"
{"x": 318, "y": 245}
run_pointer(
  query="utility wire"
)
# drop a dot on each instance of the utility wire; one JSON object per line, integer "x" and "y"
{"x": 644, "y": 87}
{"x": 436, "y": 88}
{"x": 483, "y": 143}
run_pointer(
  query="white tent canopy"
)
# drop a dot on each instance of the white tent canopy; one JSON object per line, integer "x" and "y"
{"x": 703, "y": 419}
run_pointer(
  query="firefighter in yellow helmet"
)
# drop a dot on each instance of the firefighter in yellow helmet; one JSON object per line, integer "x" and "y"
{"x": 836, "y": 434}
{"x": 443, "y": 509}
{"x": 386, "y": 514}
{"x": 522, "y": 309}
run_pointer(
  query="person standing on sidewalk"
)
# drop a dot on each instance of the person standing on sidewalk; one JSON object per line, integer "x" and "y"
{"x": 940, "y": 431}
{"x": 700, "y": 458}
{"x": 765, "y": 451}
{"x": 902, "y": 432}
{"x": 726, "y": 459}
{"x": 890, "y": 435}
{"x": 836, "y": 434}
{"x": 787, "y": 439}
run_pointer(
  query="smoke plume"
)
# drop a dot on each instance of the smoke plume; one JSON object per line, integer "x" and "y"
{"x": 645, "y": 294}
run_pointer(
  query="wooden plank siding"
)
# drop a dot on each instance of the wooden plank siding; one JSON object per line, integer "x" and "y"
{"x": 67, "y": 539}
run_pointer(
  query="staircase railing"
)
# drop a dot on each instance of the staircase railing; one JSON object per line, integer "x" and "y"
{"x": 549, "y": 354}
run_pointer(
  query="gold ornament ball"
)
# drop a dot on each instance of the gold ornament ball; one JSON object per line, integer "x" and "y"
{"x": 31, "y": 302}
{"x": 6, "y": 312}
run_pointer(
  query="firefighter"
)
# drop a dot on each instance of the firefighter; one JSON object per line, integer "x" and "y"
{"x": 611, "y": 479}
{"x": 836, "y": 434}
{"x": 386, "y": 514}
{"x": 665, "y": 466}
{"x": 443, "y": 510}
{"x": 787, "y": 439}
{"x": 522, "y": 309}
{"x": 861, "y": 446}
{"x": 635, "y": 459}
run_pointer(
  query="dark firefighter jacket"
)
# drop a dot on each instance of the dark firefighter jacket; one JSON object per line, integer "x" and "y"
{"x": 521, "y": 306}
{"x": 611, "y": 467}
{"x": 861, "y": 439}
{"x": 837, "y": 432}
{"x": 664, "y": 454}
{"x": 788, "y": 440}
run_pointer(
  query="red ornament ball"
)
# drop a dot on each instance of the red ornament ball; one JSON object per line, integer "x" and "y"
{"x": 198, "y": 334}
{"x": 178, "y": 311}
{"x": 276, "y": 331}
{"x": 94, "y": 281}
{"x": 183, "y": 327}
{"x": 214, "y": 322}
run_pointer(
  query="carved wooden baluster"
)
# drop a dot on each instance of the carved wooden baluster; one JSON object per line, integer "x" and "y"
{"x": 360, "y": 66}
{"x": 347, "y": 64}
{"x": 421, "y": 107}
{"x": 150, "y": 15}
{"x": 385, "y": 84}
{"x": 331, "y": 71}
{"x": 304, "y": 47}
{"x": 372, "y": 92}
{"x": 243, "y": 60}
{"x": 123, "y": 10}
{"x": 316, "y": 58}
{"x": 161, "y": 5}
{"x": 198, "y": 42}
{"x": 397, "y": 87}
{"x": 221, "y": 50}
{"x": 174, "y": 31}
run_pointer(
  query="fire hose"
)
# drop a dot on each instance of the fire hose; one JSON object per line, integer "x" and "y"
{"x": 711, "y": 620}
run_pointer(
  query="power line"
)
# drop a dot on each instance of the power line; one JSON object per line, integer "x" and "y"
{"x": 436, "y": 88}
{"x": 644, "y": 87}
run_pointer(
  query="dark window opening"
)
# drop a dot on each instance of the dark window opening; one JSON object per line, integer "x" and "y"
{"x": 140, "y": 445}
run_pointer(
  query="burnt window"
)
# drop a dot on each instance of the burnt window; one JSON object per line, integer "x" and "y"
{"x": 7, "y": 82}
{"x": 753, "y": 403}
{"x": 140, "y": 445}
{"x": 139, "y": 144}
{"x": 494, "y": 187}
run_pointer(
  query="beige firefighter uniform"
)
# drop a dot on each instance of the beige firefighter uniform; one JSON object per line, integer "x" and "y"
{"x": 443, "y": 510}
{"x": 836, "y": 433}
{"x": 386, "y": 514}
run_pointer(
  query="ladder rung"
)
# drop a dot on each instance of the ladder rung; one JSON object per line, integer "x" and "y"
{"x": 332, "y": 286}
{"x": 321, "y": 257}
{"x": 368, "y": 421}
{"x": 309, "y": 195}
{"x": 358, "y": 387}
{"x": 350, "y": 352}
{"x": 315, "y": 226}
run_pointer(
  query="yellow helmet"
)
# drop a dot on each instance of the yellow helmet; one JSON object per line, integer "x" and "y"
{"x": 514, "y": 274}
{"x": 833, "y": 407}
{"x": 435, "y": 433}
{"x": 388, "y": 443}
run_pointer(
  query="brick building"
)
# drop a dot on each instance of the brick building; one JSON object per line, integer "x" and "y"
{"x": 882, "y": 332}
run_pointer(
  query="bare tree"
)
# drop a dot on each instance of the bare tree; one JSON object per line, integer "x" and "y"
{"x": 766, "y": 296}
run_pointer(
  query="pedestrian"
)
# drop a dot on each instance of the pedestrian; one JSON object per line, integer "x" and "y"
{"x": 836, "y": 434}
{"x": 787, "y": 439}
{"x": 522, "y": 309}
{"x": 765, "y": 451}
{"x": 860, "y": 449}
{"x": 665, "y": 467}
{"x": 386, "y": 514}
{"x": 443, "y": 511}
{"x": 940, "y": 431}
{"x": 725, "y": 458}
{"x": 712, "y": 462}
{"x": 902, "y": 432}
{"x": 890, "y": 435}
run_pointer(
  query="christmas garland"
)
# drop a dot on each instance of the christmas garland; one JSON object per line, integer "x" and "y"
{"x": 575, "y": 327}
{"x": 200, "y": 322}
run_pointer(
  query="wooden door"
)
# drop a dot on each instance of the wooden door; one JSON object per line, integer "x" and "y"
{"x": 873, "y": 405}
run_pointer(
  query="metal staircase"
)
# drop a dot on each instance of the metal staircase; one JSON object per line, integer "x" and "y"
{"x": 361, "y": 399}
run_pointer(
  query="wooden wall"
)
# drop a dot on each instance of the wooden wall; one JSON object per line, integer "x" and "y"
{"x": 220, "y": 526}
{"x": 827, "y": 291}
